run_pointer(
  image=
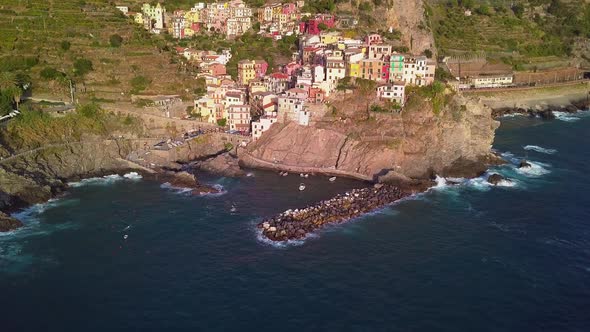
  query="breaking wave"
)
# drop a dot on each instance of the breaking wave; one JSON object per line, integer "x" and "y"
{"x": 177, "y": 190}
{"x": 105, "y": 180}
{"x": 133, "y": 176}
{"x": 539, "y": 149}
{"x": 567, "y": 117}
{"x": 535, "y": 170}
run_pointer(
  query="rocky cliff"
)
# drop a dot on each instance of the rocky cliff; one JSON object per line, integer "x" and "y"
{"x": 414, "y": 144}
{"x": 36, "y": 176}
{"x": 409, "y": 18}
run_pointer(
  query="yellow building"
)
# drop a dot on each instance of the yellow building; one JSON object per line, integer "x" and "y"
{"x": 329, "y": 38}
{"x": 138, "y": 18}
{"x": 206, "y": 109}
{"x": 191, "y": 17}
{"x": 354, "y": 69}
{"x": 246, "y": 72}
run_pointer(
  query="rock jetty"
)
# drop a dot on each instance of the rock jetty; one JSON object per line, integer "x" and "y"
{"x": 296, "y": 224}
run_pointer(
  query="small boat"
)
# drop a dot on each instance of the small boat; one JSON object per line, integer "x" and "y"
{"x": 332, "y": 179}
{"x": 285, "y": 174}
{"x": 306, "y": 176}
{"x": 233, "y": 208}
{"x": 301, "y": 187}
{"x": 301, "y": 175}
{"x": 125, "y": 237}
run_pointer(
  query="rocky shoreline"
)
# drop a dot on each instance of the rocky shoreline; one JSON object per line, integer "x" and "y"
{"x": 298, "y": 223}
{"x": 546, "y": 112}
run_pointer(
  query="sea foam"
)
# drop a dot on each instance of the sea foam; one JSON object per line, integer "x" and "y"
{"x": 567, "y": 117}
{"x": 539, "y": 149}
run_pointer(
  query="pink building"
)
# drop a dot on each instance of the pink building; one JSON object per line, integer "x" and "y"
{"x": 217, "y": 69}
{"x": 373, "y": 39}
{"x": 289, "y": 9}
{"x": 260, "y": 67}
{"x": 291, "y": 68}
{"x": 385, "y": 71}
{"x": 312, "y": 26}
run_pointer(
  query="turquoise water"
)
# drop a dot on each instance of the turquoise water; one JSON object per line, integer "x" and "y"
{"x": 472, "y": 257}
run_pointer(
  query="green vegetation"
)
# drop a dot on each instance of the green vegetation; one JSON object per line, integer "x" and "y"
{"x": 222, "y": 122}
{"x": 12, "y": 88}
{"x": 82, "y": 67}
{"x": 497, "y": 26}
{"x": 65, "y": 45}
{"x": 436, "y": 94}
{"x": 115, "y": 40}
{"x": 34, "y": 128}
{"x": 139, "y": 83}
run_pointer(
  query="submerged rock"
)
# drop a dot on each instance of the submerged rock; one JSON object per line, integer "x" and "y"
{"x": 8, "y": 223}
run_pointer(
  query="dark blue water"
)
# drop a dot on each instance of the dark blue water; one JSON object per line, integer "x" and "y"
{"x": 470, "y": 258}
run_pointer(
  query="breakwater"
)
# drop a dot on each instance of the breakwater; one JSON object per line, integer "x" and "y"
{"x": 296, "y": 224}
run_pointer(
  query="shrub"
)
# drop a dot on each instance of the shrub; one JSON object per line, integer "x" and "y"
{"x": 65, "y": 45}
{"x": 140, "y": 83}
{"x": 116, "y": 40}
{"x": 82, "y": 66}
{"x": 50, "y": 73}
{"x": 222, "y": 122}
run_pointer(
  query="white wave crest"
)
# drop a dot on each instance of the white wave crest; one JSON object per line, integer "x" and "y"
{"x": 177, "y": 190}
{"x": 98, "y": 181}
{"x": 441, "y": 183}
{"x": 535, "y": 170}
{"x": 567, "y": 117}
{"x": 539, "y": 149}
{"x": 220, "y": 191}
{"x": 133, "y": 176}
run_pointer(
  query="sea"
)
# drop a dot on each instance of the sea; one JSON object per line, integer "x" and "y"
{"x": 122, "y": 253}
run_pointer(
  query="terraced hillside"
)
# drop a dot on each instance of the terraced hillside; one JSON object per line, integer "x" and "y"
{"x": 55, "y": 34}
{"x": 519, "y": 32}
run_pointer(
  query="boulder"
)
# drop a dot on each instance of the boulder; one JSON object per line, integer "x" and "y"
{"x": 8, "y": 223}
{"x": 524, "y": 164}
{"x": 223, "y": 164}
{"x": 495, "y": 179}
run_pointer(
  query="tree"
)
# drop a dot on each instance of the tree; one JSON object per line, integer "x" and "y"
{"x": 518, "y": 10}
{"x": 116, "y": 40}
{"x": 15, "y": 93}
{"x": 82, "y": 67}
{"x": 322, "y": 26}
{"x": 222, "y": 122}
{"x": 428, "y": 53}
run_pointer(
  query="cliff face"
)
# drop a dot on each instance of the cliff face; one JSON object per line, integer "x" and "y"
{"x": 408, "y": 17}
{"x": 416, "y": 144}
{"x": 35, "y": 177}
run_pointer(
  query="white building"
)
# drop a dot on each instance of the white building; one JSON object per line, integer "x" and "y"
{"x": 491, "y": 81}
{"x": 123, "y": 9}
{"x": 262, "y": 125}
{"x": 394, "y": 91}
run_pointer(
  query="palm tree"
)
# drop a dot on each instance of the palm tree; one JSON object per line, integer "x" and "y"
{"x": 15, "y": 93}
